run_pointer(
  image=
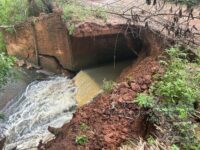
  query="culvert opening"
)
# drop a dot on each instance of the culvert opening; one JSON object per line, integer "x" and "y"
{"x": 113, "y": 115}
{"x": 139, "y": 58}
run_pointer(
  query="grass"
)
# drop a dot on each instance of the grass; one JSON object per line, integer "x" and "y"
{"x": 74, "y": 11}
{"x": 12, "y": 11}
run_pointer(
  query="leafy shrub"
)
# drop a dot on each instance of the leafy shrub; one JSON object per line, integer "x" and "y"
{"x": 177, "y": 84}
{"x": 145, "y": 100}
{"x": 108, "y": 85}
{"x": 6, "y": 63}
{"x": 81, "y": 139}
{"x": 175, "y": 93}
{"x": 2, "y": 44}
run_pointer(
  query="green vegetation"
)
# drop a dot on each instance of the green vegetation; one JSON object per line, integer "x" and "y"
{"x": 71, "y": 28}
{"x": 12, "y": 11}
{"x": 81, "y": 139}
{"x": 2, "y": 116}
{"x": 108, "y": 85}
{"x": 187, "y": 2}
{"x": 18, "y": 10}
{"x": 144, "y": 100}
{"x": 2, "y": 44}
{"x": 174, "y": 147}
{"x": 150, "y": 140}
{"x": 84, "y": 127}
{"x": 6, "y": 63}
{"x": 172, "y": 99}
{"x": 74, "y": 11}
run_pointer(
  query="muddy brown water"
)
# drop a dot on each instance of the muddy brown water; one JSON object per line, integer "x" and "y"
{"x": 89, "y": 82}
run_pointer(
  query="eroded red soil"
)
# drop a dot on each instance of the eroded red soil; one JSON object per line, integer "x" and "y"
{"x": 112, "y": 118}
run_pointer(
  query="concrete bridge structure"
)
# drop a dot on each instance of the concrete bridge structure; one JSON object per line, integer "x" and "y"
{"x": 45, "y": 41}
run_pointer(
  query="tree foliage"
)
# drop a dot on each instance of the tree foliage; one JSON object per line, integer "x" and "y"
{"x": 187, "y": 2}
{"x": 6, "y": 63}
{"x": 12, "y": 11}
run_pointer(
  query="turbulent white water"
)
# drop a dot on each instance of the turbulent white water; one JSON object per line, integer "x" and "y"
{"x": 43, "y": 104}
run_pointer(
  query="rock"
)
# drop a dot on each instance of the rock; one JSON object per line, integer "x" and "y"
{"x": 141, "y": 80}
{"x": 125, "y": 130}
{"x": 108, "y": 137}
{"x": 54, "y": 131}
{"x": 20, "y": 63}
{"x": 50, "y": 64}
{"x": 147, "y": 79}
{"x": 135, "y": 87}
{"x": 127, "y": 96}
{"x": 124, "y": 90}
{"x": 123, "y": 85}
{"x": 29, "y": 66}
{"x": 144, "y": 87}
{"x": 154, "y": 69}
{"x": 161, "y": 71}
{"x": 45, "y": 72}
{"x": 2, "y": 143}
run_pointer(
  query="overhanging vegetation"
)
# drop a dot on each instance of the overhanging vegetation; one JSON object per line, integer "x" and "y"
{"x": 173, "y": 99}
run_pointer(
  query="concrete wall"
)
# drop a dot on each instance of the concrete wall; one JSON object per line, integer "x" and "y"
{"x": 45, "y": 41}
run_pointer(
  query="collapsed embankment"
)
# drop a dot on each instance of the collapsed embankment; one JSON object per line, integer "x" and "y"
{"x": 112, "y": 118}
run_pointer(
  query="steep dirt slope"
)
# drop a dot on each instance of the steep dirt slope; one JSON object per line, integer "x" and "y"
{"x": 112, "y": 118}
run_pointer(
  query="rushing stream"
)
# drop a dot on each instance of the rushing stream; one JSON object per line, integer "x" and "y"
{"x": 31, "y": 105}
{"x": 43, "y": 103}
